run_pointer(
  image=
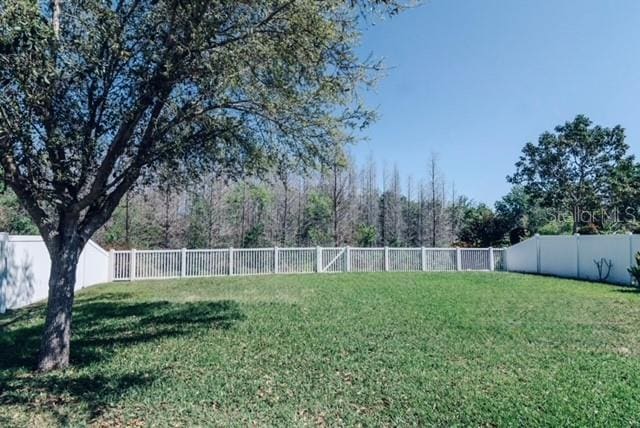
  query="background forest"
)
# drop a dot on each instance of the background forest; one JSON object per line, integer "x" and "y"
{"x": 579, "y": 178}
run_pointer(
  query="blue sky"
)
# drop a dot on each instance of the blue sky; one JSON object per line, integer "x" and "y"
{"x": 474, "y": 80}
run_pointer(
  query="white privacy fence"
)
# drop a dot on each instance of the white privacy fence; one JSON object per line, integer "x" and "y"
{"x": 25, "y": 266}
{"x": 164, "y": 264}
{"x": 603, "y": 258}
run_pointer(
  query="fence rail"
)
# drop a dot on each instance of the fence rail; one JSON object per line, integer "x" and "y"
{"x": 164, "y": 264}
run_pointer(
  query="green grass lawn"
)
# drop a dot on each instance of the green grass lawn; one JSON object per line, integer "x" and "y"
{"x": 370, "y": 349}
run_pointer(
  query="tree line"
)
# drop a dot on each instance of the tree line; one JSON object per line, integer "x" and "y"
{"x": 579, "y": 178}
{"x": 337, "y": 204}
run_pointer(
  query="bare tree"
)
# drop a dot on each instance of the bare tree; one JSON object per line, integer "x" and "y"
{"x": 437, "y": 202}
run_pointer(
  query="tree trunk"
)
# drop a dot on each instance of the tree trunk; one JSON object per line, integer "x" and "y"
{"x": 210, "y": 218}
{"x": 300, "y": 213}
{"x": 167, "y": 223}
{"x": 576, "y": 218}
{"x": 56, "y": 338}
{"x": 335, "y": 204}
{"x": 242, "y": 215}
{"x": 127, "y": 222}
{"x": 55, "y": 19}
{"x": 283, "y": 236}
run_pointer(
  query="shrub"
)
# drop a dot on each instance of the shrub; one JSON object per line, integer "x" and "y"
{"x": 635, "y": 271}
{"x": 589, "y": 229}
{"x": 366, "y": 235}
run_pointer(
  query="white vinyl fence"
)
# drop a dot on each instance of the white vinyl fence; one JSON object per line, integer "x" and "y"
{"x": 604, "y": 258}
{"x": 25, "y": 266}
{"x": 163, "y": 264}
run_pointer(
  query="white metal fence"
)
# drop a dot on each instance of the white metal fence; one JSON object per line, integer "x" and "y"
{"x": 164, "y": 264}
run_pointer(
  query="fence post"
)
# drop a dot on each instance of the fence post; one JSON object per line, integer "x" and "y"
{"x": 348, "y": 251}
{"x": 275, "y": 259}
{"x": 492, "y": 262}
{"x": 577, "y": 235}
{"x": 538, "y": 261}
{"x": 318, "y": 259}
{"x": 183, "y": 264}
{"x": 4, "y": 269}
{"x": 112, "y": 265}
{"x": 423, "y": 258}
{"x": 631, "y": 255}
{"x": 230, "y": 261}
{"x": 386, "y": 259}
{"x": 458, "y": 259}
{"x": 505, "y": 259}
{"x": 132, "y": 272}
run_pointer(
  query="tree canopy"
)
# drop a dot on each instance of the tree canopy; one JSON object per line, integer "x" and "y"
{"x": 124, "y": 86}
{"x": 571, "y": 169}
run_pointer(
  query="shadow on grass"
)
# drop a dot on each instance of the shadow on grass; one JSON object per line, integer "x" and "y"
{"x": 629, "y": 290}
{"x": 106, "y": 322}
{"x": 58, "y": 394}
{"x": 101, "y": 325}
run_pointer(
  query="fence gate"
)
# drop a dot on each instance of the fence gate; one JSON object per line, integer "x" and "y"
{"x": 333, "y": 260}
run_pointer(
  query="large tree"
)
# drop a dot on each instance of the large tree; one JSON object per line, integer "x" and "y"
{"x": 96, "y": 93}
{"x": 569, "y": 169}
